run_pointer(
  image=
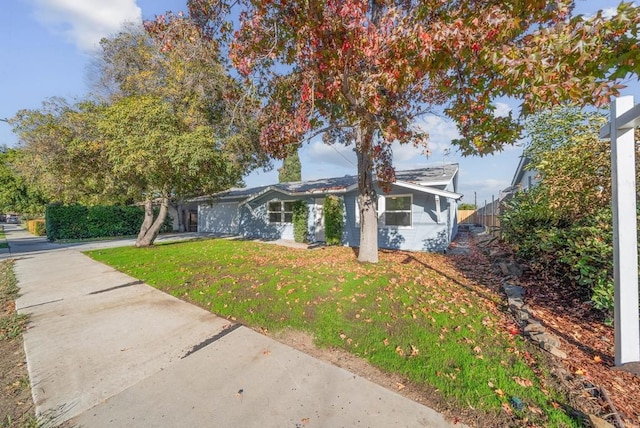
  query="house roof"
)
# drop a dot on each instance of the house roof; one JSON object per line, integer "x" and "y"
{"x": 418, "y": 179}
{"x": 522, "y": 165}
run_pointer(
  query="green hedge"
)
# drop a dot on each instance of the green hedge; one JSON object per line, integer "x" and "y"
{"x": 333, "y": 220}
{"x": 300, "y": 221}
{"x": 81, "y": 222}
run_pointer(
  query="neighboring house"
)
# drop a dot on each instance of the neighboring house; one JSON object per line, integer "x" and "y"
{"x": 420, "y": 212}
{"x": 525, "y": 177}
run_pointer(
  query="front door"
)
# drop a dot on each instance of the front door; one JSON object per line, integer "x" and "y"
{"x": 192, "y": 221}
{"x": 319, "y": 220}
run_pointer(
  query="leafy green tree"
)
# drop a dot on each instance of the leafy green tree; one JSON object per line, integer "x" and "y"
{"x": 564, "y": 224}
{"x": 467, "y": 206}
{"x": 62, "y": 154}
{"x": 573, "y": 161}
{"x": 333, "y": 219}
{"x": 300, "y": 221}
{"x": 291, "y": 169}
{"x": 152, "y": 150}
{"x": 360, "y": 72}
{"x": 15, "y": 194}
{"x": 170, "y": 124}
{"x": 208, "y": 138}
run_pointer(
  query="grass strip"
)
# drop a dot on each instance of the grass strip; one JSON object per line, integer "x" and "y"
{"x": 12, "y": 324}
{"x": 16, "y": 404}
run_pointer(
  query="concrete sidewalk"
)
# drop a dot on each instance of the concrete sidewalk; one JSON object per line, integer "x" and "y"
{"x": 104, "y": 349}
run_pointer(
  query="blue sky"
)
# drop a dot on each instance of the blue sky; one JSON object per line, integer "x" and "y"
{"x": 46, "y": 46}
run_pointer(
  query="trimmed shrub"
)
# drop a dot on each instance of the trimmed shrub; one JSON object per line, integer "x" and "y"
{"x": 333, "y": 220}
{"x": 36, "y": 227}
{"x": 80, "y": 222}
{"x": 300, "y": 221}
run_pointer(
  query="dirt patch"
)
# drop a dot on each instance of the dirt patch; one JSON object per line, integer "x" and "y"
{"x": 588, "y": 375}
{"x": 16, "y": 404}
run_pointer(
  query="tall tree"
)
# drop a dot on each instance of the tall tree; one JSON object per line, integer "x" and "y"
{"x": 171, "y": 124}
{"x": 15, "y": 194}
{"x": 62, "y": 155}
{"x": 291, "y": 169}
{"x": 361, "y": 71}
{"x": 189, "y": 76}
{"x": 159, "y": 156}
{"x": 574, "y": 163}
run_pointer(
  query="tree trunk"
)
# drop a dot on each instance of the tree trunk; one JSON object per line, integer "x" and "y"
{"x": 367, "y": 198}
{"x": 150, "y": 228}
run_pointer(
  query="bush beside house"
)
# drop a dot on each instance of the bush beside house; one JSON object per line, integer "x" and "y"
{"x": 300, "y": 221}
{"x": 333, "y": 220}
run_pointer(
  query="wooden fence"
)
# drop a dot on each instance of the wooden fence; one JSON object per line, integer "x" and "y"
{"x": 478, "y": 217}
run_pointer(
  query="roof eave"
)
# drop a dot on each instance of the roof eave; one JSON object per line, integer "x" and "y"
{"x": 431, "y": 190}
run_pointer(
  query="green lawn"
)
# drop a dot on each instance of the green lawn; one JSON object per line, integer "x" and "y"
{"x": 412, "y": 314}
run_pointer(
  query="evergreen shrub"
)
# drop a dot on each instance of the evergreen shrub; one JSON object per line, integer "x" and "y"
{"x": 333, "y": 220}
{"x": 300, "y": 221}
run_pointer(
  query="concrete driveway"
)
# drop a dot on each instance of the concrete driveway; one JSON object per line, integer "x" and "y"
{"x": 104, "y": 349}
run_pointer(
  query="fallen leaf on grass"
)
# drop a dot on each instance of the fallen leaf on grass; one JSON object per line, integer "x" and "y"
{"x": 499, "y": 392}
{"x": 536, "y": 410}
{"x": 507, "y": 408}
{"x": 523, "y": 382}
{"x": 399, "y": 351}
{"x": 414, "y": 351}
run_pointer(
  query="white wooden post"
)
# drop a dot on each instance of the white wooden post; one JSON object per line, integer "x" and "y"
{"x": 624, "y": 118}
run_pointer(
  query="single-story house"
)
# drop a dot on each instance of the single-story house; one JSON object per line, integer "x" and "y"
{"x": 419, "y": 213}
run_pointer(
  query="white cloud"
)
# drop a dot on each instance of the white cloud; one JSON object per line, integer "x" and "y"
{"x": 502, "y": 109}
{"x": 441, "y": 132}
{"x": 85, "y": 22}
{"x": 334, "y": 154}
{"x": 405, "y": 156}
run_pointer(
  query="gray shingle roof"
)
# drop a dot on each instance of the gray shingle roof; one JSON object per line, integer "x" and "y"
{"x": 424, "y": 176}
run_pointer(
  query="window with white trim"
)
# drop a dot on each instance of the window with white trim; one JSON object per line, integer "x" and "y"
{"x": 280, "y": 211}
{"x": 398, "y": 210}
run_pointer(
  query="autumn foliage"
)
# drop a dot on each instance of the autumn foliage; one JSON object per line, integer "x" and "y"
{"x": 361, "y": 72}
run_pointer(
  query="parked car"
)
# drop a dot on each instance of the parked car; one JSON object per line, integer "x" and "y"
{"x": 12, "y": 218}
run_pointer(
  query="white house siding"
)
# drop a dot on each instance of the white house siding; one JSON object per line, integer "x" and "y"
{"x": 221, "y": 218}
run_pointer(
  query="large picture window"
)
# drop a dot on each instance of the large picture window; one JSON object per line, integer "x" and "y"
{"x": 397, "y": 211}
{"x": 280, "y": 211}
